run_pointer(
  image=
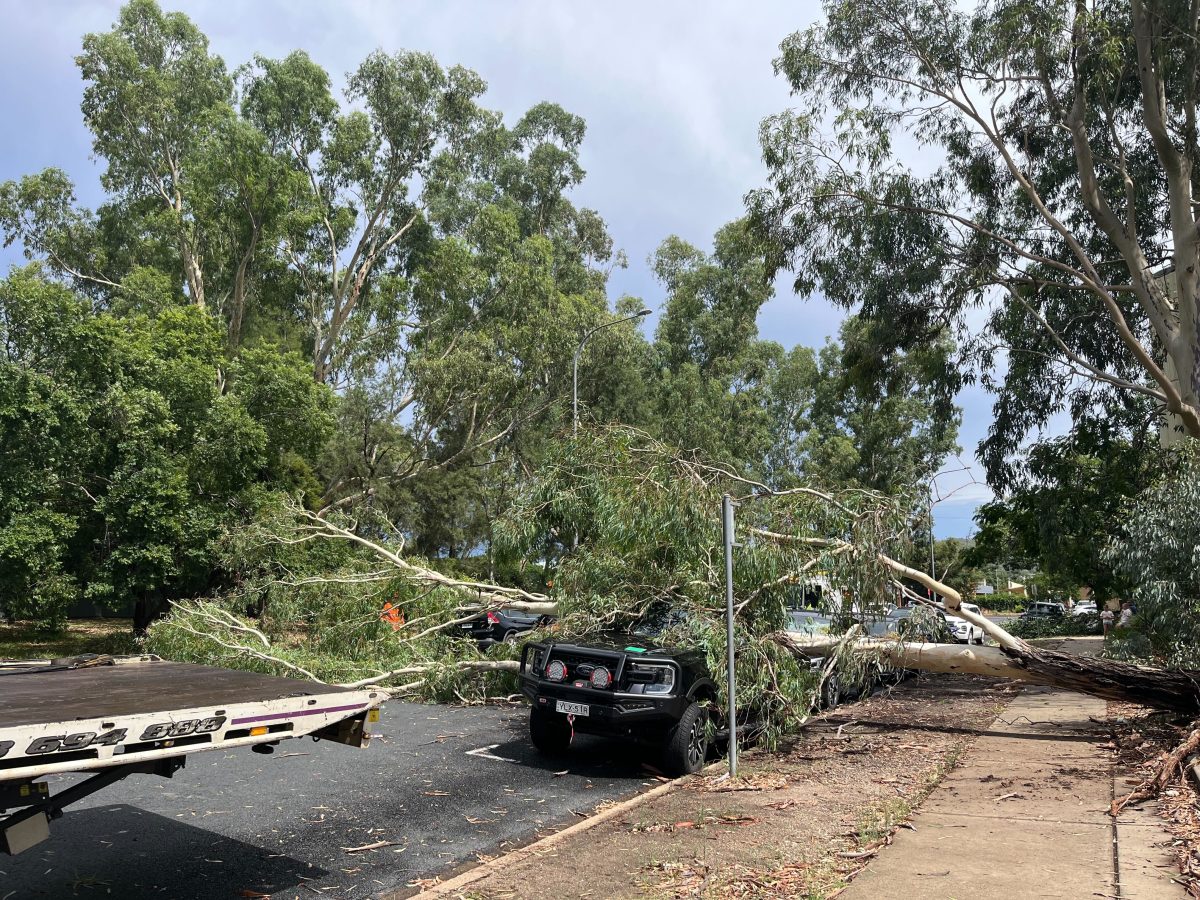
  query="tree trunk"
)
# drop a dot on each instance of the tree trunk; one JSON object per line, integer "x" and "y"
{"x": 1177, "y": 691}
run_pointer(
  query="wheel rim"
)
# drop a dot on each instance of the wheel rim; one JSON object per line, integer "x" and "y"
{"x": 697, "y": 740}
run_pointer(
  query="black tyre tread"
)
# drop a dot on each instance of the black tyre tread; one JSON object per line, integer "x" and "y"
{"x": 675, "y": 754}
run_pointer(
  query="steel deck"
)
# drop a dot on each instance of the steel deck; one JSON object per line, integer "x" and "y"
{"x": 137, "y": 688}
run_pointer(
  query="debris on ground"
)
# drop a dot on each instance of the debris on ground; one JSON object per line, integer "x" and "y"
{"x": 800, "y": 822}
{"x": 1144, "y": 739}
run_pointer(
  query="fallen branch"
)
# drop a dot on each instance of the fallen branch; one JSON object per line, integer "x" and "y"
{"x": 482, "y": 592}
{"x": 1175, "y": 690}
{"x": 482, "y": 665}
{"x": 1168, "y": 770}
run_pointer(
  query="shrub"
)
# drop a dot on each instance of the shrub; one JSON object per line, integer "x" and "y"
{"x": 1056, "y": 626}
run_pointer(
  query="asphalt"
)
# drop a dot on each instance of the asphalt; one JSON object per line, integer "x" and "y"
{"x": 440, "y": 784}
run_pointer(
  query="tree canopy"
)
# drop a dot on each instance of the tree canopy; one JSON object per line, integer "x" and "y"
{"x": 1047, "y": 222}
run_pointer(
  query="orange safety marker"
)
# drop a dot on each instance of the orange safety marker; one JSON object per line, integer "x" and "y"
{"x": 393, "y": 615}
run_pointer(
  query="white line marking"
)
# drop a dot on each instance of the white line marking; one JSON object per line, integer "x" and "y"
{"x": 486, "y": 753}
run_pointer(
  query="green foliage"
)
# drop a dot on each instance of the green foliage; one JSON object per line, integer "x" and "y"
{"x": 1003, "y": 601}
{"x": 125, "y": 461}
{"x": 649, "y": 541}
{"x": 1056, "y": 626}
{"x": 877, "y": 421}
{"x": 1070, "y": 497}
{"x": 1155, "y": 554}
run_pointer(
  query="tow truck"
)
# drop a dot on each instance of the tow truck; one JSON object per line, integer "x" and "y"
{"x": 110, "y": 717}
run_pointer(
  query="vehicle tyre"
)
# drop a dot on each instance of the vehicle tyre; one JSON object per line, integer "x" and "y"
{"x": 550, "y": 732}
{"x": 979, "y": 638}
{"x": 687, "y": 744}
{"x": 831, "y": 692}
{"x": 510, "y": 636}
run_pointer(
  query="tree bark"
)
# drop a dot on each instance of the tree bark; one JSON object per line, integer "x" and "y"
{"x": 1177, "y": 691}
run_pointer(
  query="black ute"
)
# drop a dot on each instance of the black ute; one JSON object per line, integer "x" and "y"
{"x": 622, "y": 685}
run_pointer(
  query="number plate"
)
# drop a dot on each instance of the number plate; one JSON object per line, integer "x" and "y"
{"x": 573, "y": 709}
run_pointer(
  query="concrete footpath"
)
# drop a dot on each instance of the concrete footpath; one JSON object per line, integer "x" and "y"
{"x": 1025, "y": 815}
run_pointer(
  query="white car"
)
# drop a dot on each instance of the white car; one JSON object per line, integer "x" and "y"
{"x": 962, "y": 629}
{"x": 1084, "y": 608}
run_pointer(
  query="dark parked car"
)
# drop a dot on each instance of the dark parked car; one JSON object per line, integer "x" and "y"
{"x": 501, "y": 625}
{"x": 1044, "y": 610}
{"x": 626, "y": 685}
{"x": 912, "y": 623}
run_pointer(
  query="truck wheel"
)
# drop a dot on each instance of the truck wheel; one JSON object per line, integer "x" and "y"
{"x": 550, "y": 732}
{"x": 687, "y": 745}
{"x": 831, "y": 692}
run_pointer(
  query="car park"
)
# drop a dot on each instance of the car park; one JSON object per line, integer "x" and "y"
{"x": 912, "y": 623}
{"x": 812, "y": 623}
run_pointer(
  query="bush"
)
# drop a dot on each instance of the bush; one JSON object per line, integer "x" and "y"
{"x": 1156, "y": 554}
{"x": 1003, "y": 601}
{"x": 1056, "y": 626}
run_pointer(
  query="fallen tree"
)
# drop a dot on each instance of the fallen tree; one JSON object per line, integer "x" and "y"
{"x": 1176, "y": 691}
{"x": 649, "y": 540}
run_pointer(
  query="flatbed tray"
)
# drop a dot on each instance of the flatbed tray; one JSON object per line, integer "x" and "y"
{"x": 134, "y": 688}
{"x": 117, "y": 712}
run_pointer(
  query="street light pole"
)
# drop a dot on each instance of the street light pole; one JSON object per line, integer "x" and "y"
{"x": 641, "y": 313}
{"x": 932, "y": 561}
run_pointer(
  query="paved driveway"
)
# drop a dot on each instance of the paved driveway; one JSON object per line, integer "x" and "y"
{"x": 441, "y": 785}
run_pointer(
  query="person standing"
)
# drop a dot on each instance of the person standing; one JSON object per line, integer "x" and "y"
{"x": 1126, "y": 614}
{"x": 1106, "y": 618}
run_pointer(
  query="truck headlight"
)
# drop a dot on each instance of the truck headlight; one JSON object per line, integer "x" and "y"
{"x": 648, "y": 678}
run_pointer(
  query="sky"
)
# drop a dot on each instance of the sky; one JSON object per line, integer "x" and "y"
{"x": 672, "y": 92}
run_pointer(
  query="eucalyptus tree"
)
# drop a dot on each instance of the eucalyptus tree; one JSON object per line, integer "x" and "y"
{"x": 712, "y": 368}
{"x": 125, "y": 464}
{"x": 1069, "y": 499}
{"x": 1025, "y": 166}
{"x": 879, "y": 421}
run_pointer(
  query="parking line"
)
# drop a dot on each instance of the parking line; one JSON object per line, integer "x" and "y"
{"x": 486, "y": 753}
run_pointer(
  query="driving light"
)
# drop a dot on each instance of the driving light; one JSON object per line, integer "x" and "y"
{"x": 556, "y": 671}
{"x": 601, "y": 677}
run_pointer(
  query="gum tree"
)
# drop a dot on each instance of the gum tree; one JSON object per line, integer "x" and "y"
{"x": 1053, "y": 201}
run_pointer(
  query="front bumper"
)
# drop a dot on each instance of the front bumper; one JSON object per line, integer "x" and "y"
{"x": 609, "y": 711}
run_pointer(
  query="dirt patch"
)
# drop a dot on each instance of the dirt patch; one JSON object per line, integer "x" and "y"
{"x": 798, "y": 823}
{"x": 1142, "y": 738}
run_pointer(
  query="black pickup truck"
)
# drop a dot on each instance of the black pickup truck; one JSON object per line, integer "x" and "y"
{"x": 624, "y": 685}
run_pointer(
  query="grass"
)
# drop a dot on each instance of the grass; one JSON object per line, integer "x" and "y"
{"x": 877, "y": 823}
{"x": 23, "y": 641}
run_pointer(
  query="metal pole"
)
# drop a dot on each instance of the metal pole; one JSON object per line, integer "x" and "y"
{"x": 727, "y": 534}
{"x": 932, "y": 563}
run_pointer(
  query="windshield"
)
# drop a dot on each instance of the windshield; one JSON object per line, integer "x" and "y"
{"x": 655, "y": 625}
{"x": 810, "y": 622}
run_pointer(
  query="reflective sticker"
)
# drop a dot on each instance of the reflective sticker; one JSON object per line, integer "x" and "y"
{"x": 635, "y": 649}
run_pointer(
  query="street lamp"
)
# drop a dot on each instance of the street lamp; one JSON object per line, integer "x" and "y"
{"x": 642, "y": 313}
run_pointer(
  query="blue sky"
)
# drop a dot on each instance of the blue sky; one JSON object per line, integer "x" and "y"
{"x": 672, "y": 93}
